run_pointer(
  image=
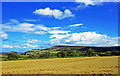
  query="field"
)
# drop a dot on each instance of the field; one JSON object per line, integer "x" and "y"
{"x": 76, "y": 65}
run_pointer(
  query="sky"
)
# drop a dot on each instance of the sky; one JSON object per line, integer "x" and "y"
{"x": 39, "y": 25}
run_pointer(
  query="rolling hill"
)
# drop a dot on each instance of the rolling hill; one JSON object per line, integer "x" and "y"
{"x": 77, "y": 48}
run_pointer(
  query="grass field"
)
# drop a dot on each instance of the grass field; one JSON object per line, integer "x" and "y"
{"x": 77, "y": 65}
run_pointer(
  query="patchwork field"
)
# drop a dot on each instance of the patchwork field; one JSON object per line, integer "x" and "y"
{"x": 77, "y": 65}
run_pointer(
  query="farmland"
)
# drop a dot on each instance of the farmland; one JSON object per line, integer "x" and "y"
{"x": 74, "y": 65}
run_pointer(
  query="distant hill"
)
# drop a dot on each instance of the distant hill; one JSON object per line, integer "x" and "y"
{"x": 77, "y": 48}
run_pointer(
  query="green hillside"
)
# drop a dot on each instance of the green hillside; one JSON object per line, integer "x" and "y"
{"x": 63, "y": 51}
{"x": 76, "y": 48}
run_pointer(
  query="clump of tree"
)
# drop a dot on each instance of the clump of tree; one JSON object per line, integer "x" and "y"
{"x": 47, "y": 54}
{"x": 61, "y": 54}
{"x": 115, "y": 53}
{"x": 90, "y": 52}
{"x": 32, "y": 56}
{"x": 109, "y": 53}
{"x": 12, "y": 55}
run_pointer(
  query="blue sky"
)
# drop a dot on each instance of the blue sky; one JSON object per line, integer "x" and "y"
{"x": 33, "y": 25}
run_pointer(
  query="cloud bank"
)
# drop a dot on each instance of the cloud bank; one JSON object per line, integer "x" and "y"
{"x": 84, "y": 38}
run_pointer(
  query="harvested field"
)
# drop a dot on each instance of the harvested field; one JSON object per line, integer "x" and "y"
{"x": 77, "y": 65}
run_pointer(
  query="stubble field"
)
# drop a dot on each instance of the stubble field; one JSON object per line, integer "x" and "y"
{"x": 77, "y": 65}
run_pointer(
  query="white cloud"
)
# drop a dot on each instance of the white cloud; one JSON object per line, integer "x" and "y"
{"x": 34, "y": 46}
{"x": 55, "y": 13}
{"x": 24, "y": 47}
{"x": 7, "y": 46}
{"x": 75, "y": 25}
{"x": 22, "y": 27}
{"x": 17, "y": 46}
{"x": 55, "y": 28}
{"x": 93, "y": 2}
{"x": 86, "y": 2}
{"x": 57, "y": 31}
{"x": 89, "y": 2}
{"x": 42, "y": 27}
{"x": 116, "y": 45}
{"x": 3, "y": 35}
{"x": 40, "y": 32}
{"x": 27, "y": 45}
{"x": 26, "y": 28}
{"x": 84, "y": 38}
{"x": 33, "y": 41}
{"x": 14, "y": 21}
{"x": 58, "y": 39}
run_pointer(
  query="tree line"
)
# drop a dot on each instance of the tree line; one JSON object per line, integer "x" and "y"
{"x": 59, "y": 54}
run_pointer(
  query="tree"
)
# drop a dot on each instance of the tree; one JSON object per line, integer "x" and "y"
{"x": 6, "y": 53}
{"x": 70, "y": 53}
{"x": 108, "y": 53}
{"x": 48, "y": 55}
{"x": 80, "y": 53}
{"x": 13, "y": 55}
{"x": 32, "y": 56}
{"x": 61, "y": 54}
{"x": 90, "y": 52}
{"x": 115, "y": 53}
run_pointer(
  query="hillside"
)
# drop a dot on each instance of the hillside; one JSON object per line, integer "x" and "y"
{"x": 63, "y": 51}
{"x": 77, "y": 48}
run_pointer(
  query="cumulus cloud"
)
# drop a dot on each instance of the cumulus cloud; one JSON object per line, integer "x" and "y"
{"x": 75, "y": 25}
{"x": 57, "y": 14}
{"x": 26, "y": 28}
{"x": 3, "y": 35}
{"x": 84, "y": 38}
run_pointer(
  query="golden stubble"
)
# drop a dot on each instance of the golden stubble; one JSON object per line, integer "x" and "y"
{"x": 76, "y": 65}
